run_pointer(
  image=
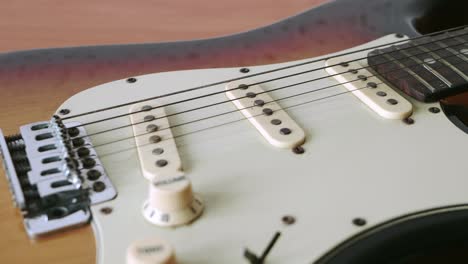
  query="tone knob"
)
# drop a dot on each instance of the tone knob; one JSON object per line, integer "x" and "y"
{"x": 171, "y": 202}
{"x": 150, "y": 251}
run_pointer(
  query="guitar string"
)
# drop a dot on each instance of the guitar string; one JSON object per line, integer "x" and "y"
{"x": 271, "y": 90}
{"x": 283, "y": 98}
{"x": 251, "y": 75}
{"x": 223, "y": 91}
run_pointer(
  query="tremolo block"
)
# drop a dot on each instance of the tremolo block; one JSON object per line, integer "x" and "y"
{"x": 372, "y": 91}
{"x": 267, "y": 116}
{"x": 54, "y": 174}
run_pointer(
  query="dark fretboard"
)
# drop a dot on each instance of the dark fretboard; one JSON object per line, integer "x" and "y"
{"x": 428, "y": 68}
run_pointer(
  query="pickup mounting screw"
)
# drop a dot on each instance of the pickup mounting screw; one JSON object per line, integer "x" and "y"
{"x": 362, "y": 77}
{"x": 344, "y": 64}
{"x": 434, "y": 110}
{"x": 399, "y": 35}
{"x": 64, "y": 111}
{"x": 244, "y": 70}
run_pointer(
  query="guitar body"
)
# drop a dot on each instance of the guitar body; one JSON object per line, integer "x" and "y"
{"x": 356, "y": 164}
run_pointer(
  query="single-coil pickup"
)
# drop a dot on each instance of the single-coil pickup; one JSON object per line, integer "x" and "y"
{"x": 372, "y": 91}
{"x": 267, "y": 116}
{"x": 157, "y": 150}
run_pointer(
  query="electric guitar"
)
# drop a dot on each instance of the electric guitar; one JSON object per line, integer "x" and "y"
{"x": 246, "y": 149}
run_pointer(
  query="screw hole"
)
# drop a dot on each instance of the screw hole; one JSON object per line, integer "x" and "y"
{"x": 288, "y": 219}
{"x": 244, "y": 70}
{"x": 106, "y": 210}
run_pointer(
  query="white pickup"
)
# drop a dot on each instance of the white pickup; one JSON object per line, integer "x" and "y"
{"x": 156, "y": 146}
{"x": 372, "y": 91}
{"x": 278, "y": 128}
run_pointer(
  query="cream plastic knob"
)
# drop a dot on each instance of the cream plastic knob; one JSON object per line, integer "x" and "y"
{"x": 172, "y": 202}
{"x": 150, "y": 251}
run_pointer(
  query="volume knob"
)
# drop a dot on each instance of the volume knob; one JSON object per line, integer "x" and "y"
{"x": 172, "y": 202}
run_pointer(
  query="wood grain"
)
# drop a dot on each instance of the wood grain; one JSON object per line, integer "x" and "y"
{"x": 53, "y": 23}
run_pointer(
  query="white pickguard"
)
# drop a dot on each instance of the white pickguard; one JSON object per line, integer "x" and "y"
{"x": 356, "y": 164}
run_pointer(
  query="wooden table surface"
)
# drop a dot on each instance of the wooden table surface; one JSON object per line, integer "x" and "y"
{"x": 54, "y": 23}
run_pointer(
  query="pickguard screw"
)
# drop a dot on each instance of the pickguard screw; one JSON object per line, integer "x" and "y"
{"x": 399, "y": 35}
{"x": 131, "y": 80}
{"x": 408, "y": 121}
{"x": 359, "y": 221}
{"x": 64, "y": 111}
{"x": 288, "y": 220}
{"x": 434, "y": 110}
{"x": 298, "y": 150}
{"x": 106, "y": 210}
{"x": 244, "y": 70}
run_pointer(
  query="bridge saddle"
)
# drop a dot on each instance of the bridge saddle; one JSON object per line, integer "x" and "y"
{"x": 54, "y": 175}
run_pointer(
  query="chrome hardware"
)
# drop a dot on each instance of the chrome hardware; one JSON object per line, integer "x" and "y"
{"x": 47, "y": 175}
